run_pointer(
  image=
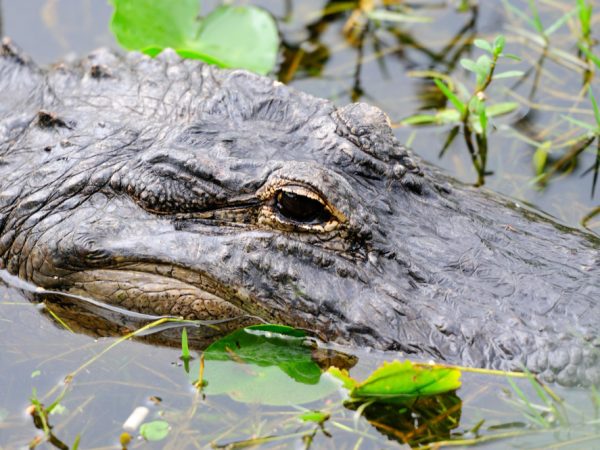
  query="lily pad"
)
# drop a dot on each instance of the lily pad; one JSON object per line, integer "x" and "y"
{"x": 240, "y": 36}
{"x": 269, "y": 364}
{"x": 230, "y": 36}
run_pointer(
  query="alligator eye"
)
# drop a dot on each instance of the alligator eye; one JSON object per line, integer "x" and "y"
{"x": 300, "y": 208}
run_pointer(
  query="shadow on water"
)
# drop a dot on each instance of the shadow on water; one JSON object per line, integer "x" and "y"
{"x": 72, "y": 350}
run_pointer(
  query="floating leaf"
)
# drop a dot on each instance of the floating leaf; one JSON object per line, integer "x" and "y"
{"x": 399, "y": 381}
{"x": 140, "y": 24}
{"x": 240, "y": 36}
{"x": 155, "y": 431}
{"x": 269, "y": 364}
{"x": 231, "y": 36}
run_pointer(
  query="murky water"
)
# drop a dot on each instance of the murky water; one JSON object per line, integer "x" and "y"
{"x": 37, "y": 353}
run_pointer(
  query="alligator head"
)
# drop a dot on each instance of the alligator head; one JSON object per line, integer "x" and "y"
{"x": 169, "y": 187}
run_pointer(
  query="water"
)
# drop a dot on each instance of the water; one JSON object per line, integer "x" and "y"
{"x": 38, "y": 353}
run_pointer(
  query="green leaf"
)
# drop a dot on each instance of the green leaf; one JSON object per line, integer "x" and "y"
{"x": 585, "y": 17}
{"x": 231, "y": 36}
{"x": 399, "y": 381}
{"x": 185, "y": 349}
{"x": 595, "y": 106}
{"x": 342, "y": 375}
{"x": 537, "y": 21}
{"x": 240, "y": 36}
{"x": 420, "y": 119}
{"x": 36, "y": 373}
{"x": 511, "y": 56}
{"x": 483, "y": 119}
{"x": 508, "y": 74}
{"x": 76, "y": 442}
{"x": 58, "y": 410}
{"x": 139, "y": 24}
{"x": 314, "y": 416}
{"x": 499, "y": 44}
{"x": 586, "y": 51}
{"x": 540, "y": 157}
{"x": 269, "y": 364}
{"x": 469, "y": 64}
{"x": 484, "y": 66}
{"x": 448, "y": 116}
{"x": 499, "y": 109}
{"x": 155, "y": 431}
{"x": 484, "y": 45}
{"x": 460, "y": 106}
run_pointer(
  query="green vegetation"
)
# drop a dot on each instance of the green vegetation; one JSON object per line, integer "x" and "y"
{"x": 156, "y": 430}
{"x": 247, "y": 37}
{"x": 471, "y": 113}
{"x": 277, "y": 366}
{"x": 282, "y": 369}
{"x": 230, "y": 36}
{"x": 400, "y": 381}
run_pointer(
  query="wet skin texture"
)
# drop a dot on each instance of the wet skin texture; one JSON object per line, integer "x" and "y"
{"x": 173, "y": 188}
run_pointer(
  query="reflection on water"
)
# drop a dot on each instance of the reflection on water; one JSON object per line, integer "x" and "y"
{"x": 100, "y": 381}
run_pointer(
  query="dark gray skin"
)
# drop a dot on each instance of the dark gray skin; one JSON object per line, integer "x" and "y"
{"x": 173, "y": 188}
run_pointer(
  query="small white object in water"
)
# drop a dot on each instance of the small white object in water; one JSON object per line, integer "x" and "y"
{"x": 136, "y": 418}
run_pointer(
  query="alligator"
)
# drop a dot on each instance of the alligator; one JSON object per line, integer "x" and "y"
{"x": 169, "y": 187}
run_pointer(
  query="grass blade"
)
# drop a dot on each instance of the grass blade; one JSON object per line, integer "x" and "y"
{"x": 458, "y": 104}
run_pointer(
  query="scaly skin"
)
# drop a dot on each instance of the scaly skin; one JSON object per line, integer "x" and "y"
{"x": 163, "y": 186}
